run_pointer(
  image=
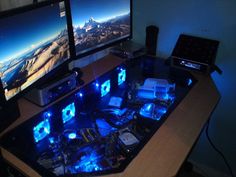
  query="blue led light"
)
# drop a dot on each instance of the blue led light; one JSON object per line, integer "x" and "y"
{"x": 190, "y": 82}
{"x": 121, "y": 76}
{"x": 96, "y": 85}
{"x": 47, "y": 115}
{"x": 41, "y": 130}
{"x": 51, "y": 140}
{"x": 72, "y": 136}
{"x": 68, "y": 112}
{"x": 166, "y": 96}
{"x": 105, "y": 88}
{"x": 80, "y": 94}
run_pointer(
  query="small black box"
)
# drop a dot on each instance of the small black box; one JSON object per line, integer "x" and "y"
{"x": 194, "y": 53}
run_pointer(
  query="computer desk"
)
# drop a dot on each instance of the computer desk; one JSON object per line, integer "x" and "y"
{"x": 168, "y": 148}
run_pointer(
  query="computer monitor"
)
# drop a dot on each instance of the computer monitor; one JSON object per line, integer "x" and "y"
{"x": 98, "y": 24}
{"x": 33, "y": 42}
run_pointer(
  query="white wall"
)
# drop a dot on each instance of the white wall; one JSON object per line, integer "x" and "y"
{"x": 212, "y": 19}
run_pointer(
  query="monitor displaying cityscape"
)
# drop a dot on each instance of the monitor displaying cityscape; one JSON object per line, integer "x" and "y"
{"x": 32, "y": 44}
{"x": 99, "y": 23}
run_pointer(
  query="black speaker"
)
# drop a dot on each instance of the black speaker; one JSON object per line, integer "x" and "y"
{"x": 151, "y": 39}
{"x": 9, "y": 112}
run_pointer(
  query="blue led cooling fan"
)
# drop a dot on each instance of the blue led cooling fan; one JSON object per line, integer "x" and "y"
{"x": 105, "y": 88}
{"x": 121, "y": 76}
{"x": 68, "y": 112}
{"x": 41, "y": 130}
{"x": 80, "y": 94}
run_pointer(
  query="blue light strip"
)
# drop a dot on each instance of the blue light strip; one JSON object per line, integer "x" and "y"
{"x": 68, "y": 112}
{"x": 41, "y": 130}
{"x": 105, "y": 88}
{"x": 47, "y": 115}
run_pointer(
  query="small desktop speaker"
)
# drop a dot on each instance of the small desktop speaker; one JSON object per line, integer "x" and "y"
{"x": 151, "y": 39}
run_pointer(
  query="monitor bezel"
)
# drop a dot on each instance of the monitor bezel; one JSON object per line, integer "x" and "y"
{"x": 59, "y": 70}
{"x": 99, "y": 48}
{"x": 63, "y": 68}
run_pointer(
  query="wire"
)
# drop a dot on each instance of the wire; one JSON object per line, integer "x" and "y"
{"x": 217, "y": 150}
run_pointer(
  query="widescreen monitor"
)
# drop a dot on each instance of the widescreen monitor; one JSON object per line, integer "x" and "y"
{"x": 33, "y": 42}
{"x": 100, "y": 23}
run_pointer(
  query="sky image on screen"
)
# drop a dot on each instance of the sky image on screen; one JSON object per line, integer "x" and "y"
{"x": 97, "y": 23}
{"x": 32, "y": 44}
